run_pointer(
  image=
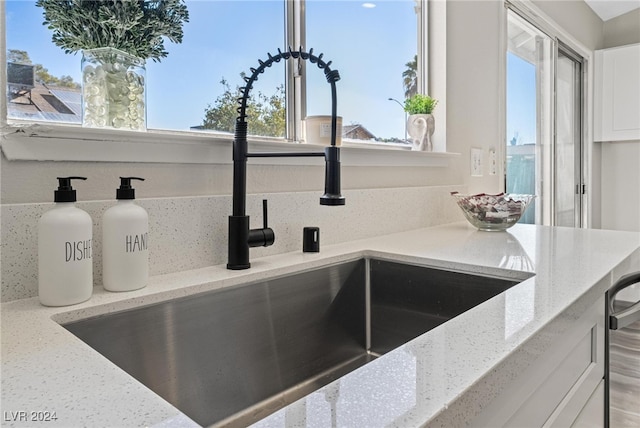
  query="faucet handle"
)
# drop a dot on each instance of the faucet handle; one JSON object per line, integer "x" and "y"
{"x": 262, "y": 237}
{"x": 264, "y": 214}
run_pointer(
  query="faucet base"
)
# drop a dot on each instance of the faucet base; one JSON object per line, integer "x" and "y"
{"x": 332, "y": 201}
{"x": 238, "y": 238}
{"x": 238, "y": 267}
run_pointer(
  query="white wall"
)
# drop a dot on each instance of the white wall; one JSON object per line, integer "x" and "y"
{"x": 622, "y": 30}
{"x": 621, "y": 185}
{"x": 577, "y": 19}
{"x": 475, "y": 74}
{"x": 31, "y": 182}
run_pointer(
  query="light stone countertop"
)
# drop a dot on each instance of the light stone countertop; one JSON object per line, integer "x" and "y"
{"x": 443, "y": 377}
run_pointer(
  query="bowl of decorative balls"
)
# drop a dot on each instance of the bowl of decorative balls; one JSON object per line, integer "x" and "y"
{"x": 493, "y": 212}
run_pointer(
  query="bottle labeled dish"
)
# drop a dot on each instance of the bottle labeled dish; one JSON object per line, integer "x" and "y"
{"x": 65, "y": 238}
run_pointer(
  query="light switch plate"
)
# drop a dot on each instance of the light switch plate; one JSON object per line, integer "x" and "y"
{"x": 476, "y": 162}
{"x": 493, "y": 162}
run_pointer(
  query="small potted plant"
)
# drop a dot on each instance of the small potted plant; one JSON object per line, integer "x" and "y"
{"x": 420, "y": 124}
{"x": 116, "y": 38}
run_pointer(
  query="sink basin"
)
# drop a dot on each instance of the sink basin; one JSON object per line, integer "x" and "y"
{"x": 233, "y": 356}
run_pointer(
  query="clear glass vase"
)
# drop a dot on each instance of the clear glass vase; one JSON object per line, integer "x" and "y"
{"x": 113, "y": 90}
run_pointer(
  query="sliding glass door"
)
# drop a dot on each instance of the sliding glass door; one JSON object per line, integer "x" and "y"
{"x": 569, "y": 182}
{"x": 529, "y": 116}
{"x": 544, "y": 124}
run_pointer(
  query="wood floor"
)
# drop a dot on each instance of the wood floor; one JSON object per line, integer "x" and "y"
{"x": 625, "y": 377}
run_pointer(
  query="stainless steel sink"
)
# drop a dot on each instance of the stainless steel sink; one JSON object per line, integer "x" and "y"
{"x": 233, "y": 356}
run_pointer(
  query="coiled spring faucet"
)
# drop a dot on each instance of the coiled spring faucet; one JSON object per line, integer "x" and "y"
{"x": 241, "y": 238}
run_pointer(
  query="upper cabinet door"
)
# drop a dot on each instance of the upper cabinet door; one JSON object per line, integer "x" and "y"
{"x": 617, "y": 94}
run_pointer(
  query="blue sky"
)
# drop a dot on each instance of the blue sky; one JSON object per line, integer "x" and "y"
{"x": 521, "y": 100}
{"x": 224, "y": 38}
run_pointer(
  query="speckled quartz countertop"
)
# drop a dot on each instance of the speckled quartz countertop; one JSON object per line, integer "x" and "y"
{"x": 442, "y": 377}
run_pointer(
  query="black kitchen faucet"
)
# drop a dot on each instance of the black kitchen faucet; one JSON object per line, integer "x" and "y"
{"x": 241, "y": 238}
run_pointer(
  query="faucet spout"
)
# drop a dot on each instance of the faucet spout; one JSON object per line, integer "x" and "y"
{"x": 241, "y": 237}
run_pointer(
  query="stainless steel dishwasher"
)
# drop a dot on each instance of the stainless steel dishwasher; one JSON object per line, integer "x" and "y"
{"x": 622, "y": 392}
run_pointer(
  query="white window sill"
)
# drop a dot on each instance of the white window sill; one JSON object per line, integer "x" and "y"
{"x": 43, "y": 142}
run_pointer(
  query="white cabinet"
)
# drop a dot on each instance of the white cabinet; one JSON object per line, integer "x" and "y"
{"x": 560, "y": 383}
{"x": 592, "y": 414}
{"x": 617, "y": 94}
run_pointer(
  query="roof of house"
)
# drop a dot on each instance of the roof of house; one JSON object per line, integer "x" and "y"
{"x": 45, "y": 103}
{"x": 350, "y": 131}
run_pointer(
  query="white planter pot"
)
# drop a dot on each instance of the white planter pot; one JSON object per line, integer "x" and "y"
{"x": 420, "y": 128}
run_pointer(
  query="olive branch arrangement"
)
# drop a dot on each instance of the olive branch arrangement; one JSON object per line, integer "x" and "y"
{"x": 137, "y": 27}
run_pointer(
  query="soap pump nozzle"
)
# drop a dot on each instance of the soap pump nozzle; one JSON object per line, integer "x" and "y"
{"x": 65, "y": 192}
{"x": 125, "y": 191}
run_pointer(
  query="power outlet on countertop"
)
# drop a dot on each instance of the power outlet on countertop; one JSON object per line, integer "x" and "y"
{"x": 476, "y": 162}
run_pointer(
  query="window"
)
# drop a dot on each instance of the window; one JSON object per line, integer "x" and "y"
{"x": 374, "y": 45}
{"x": 374, "y": 48}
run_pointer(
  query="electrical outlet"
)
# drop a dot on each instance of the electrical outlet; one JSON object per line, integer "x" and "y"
{"x": 493, "y": 162}
{"x": 476, "y": 162}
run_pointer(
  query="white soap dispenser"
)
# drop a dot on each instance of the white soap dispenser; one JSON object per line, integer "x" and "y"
{"x": 125, "y": 245}
{"x": 65, "y": 265}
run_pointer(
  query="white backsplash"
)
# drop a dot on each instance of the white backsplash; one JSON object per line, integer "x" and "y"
{"x": 191, "y": 232}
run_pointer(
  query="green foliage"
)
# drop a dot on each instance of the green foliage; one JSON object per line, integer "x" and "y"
{"x": 137, "y": 27}
{"x": 21, "y": 57}
{"x": 420, "y": 104}
{"x": 266, "y": 114}
{"x": 42, "y": 74}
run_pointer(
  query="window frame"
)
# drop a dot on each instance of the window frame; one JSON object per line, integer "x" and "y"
{"x": 28, "y": 140}
{"x": 296, "y": 71}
